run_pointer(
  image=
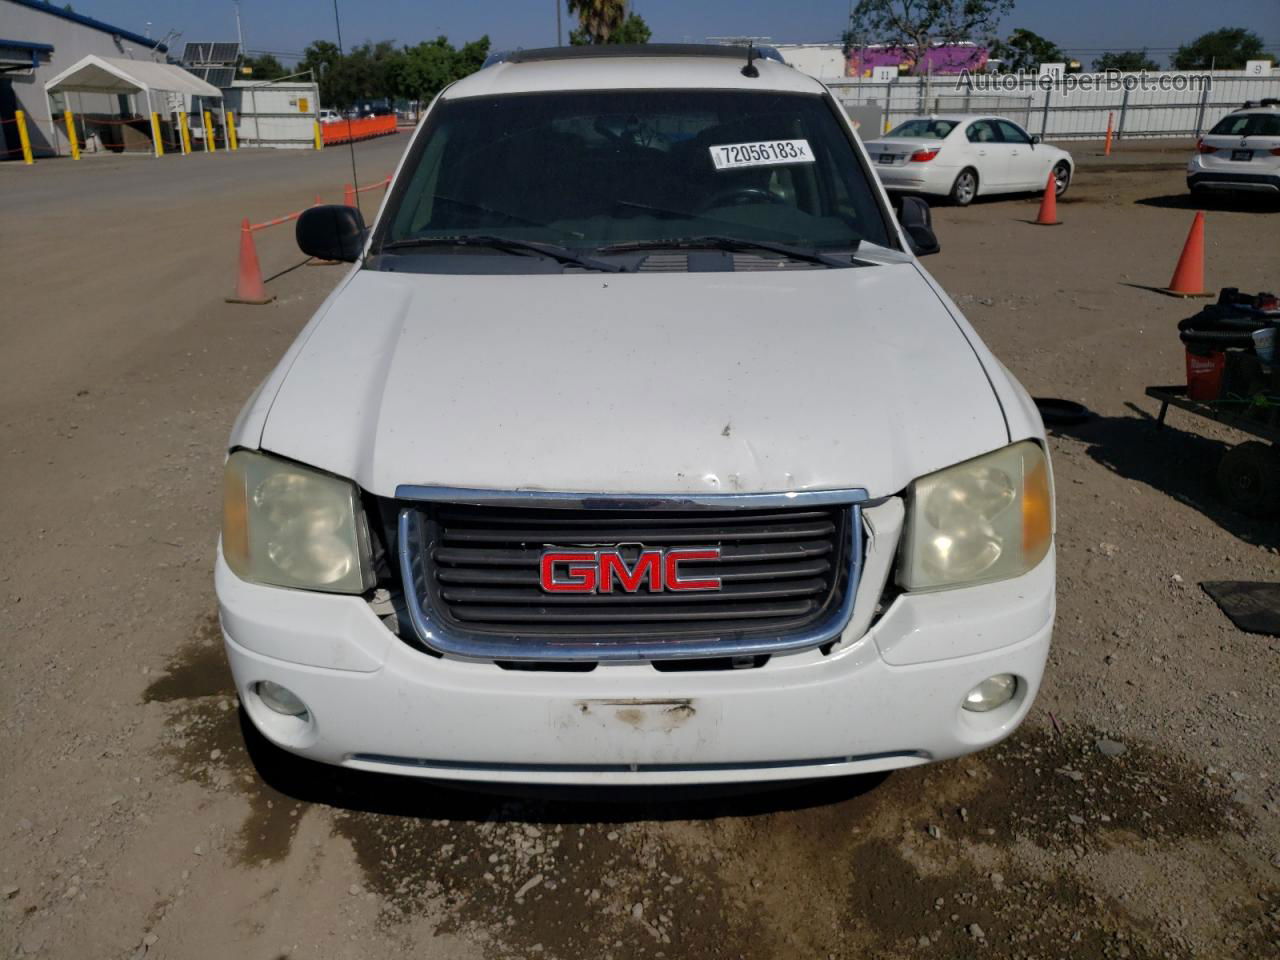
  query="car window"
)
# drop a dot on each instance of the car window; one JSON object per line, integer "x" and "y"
{"x": 1248, "y": 125}
{"x": 1012, "y": 133}
{"x": 586, "y": 169}
{"x": 923, "y": 128}
{"x": 982, "y": 131}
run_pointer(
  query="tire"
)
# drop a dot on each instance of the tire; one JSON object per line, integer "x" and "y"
{"x": 1061, "y": 177}
{"x": 1249, "y": 478}
{"x": 965, "y": 188}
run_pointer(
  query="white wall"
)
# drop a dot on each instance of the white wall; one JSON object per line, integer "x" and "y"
{"x": 822, "y": 60}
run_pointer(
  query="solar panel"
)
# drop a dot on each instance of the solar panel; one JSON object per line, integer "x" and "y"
{"x": 221, "y": 76}
{"x": 221, "y": 54}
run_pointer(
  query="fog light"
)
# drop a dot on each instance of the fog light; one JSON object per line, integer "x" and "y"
{"x": 991, "y": 693}
{"x": 281, "y": 699}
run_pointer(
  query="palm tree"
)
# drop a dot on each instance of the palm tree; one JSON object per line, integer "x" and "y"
{"x": 597, "y": 19}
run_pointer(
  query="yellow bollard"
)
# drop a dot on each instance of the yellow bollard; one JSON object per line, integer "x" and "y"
{"x": 72, "y": 137}
{"x": 21, "y": 117}
{"x": 155, "y": 134}
{"x": 184, "y": 132}
{"x": 232, "y": 140}
{"x": 319, "y": 136}
{"x": 209, "y": 145}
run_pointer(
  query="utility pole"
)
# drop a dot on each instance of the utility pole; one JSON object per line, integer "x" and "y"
{"x": 239, "y": 31}
{"x": 558, "y": 33}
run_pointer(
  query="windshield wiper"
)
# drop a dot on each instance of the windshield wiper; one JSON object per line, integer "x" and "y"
{"x": 715, "y": 242}
{"x": 506, "y": 245}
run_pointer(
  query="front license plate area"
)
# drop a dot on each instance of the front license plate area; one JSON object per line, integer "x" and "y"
{"x": 1245, "y": 155}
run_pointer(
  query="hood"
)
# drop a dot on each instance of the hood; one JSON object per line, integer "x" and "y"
{"x": 636, "y": 383}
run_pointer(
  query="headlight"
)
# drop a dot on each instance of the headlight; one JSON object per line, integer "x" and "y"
{"x": 987, "y": 519}
{"x": 289, "y": 526}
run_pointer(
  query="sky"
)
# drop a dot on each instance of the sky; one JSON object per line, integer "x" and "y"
{"x": 1083, "y": 28}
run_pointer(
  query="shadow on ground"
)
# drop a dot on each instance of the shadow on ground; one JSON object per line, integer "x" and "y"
{"x": 1178, "y": 462}
{"x": 1232, "y": 202}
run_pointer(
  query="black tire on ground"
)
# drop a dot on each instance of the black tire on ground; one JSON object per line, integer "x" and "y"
{"x": 1249, "y": 478}
{"x": 1061, "y": 177}
{"x": 965, "y": 188}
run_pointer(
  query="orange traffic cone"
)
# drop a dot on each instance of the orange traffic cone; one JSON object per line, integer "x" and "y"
{"x": 249, "y": 285}
{"x": 1188, "y": 275}
{"x": 349, "y": 195}
{"x": 1049, "y": 204}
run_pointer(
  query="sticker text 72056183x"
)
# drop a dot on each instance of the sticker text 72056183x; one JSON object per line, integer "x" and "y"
{"x": 764, "y": 153}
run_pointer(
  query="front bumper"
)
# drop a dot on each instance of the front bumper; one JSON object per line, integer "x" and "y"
{"x": 888, "y": 697}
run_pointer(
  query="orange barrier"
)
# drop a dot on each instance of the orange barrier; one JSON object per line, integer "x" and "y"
{"x": 365, "y": 128}
{"x": 349, "y": 192}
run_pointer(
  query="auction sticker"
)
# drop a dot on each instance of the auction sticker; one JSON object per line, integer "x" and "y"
{"x": 765, "y": 153}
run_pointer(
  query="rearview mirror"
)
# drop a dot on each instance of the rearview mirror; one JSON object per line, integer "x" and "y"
{"x": 331, "y": 232}
{"x": 917, "y": 223}
{"x": 1035, "y": 138}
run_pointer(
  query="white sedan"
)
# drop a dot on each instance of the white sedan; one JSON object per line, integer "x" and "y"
{"x": 963, "y": 156}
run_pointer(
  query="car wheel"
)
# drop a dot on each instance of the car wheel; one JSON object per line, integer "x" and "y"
{"x": 1249, "y": 478}
{"x": 1061, "y": 178}
{"x": 965, "y": 188}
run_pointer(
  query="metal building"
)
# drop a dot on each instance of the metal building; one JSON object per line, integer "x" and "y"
{"x": 39, "y": 40}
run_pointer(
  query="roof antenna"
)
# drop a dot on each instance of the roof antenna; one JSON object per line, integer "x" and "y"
{"x": 351, "y": 142}
{"x": 750, "y": 69}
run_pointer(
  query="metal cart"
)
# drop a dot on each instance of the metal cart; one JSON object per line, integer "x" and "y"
{"x": 1249, "y": 474}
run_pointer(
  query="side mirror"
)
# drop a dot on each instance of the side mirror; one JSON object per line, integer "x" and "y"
{"x": 1035, "y": 138}
{"x": 331, "y": 232}
{"x": 917, "y": 223}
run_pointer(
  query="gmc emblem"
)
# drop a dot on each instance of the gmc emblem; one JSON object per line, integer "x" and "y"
{"x": 604, "y": 571}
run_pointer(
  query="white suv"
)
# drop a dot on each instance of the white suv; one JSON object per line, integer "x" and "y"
{"x": 1240, "y": 152}
{"x": 636, "y": 447}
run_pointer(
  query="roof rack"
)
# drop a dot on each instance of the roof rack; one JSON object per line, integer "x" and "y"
{"x": 622, "y": 51}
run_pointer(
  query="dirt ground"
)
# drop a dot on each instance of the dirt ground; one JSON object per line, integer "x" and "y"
{"x": 134, "y": 822}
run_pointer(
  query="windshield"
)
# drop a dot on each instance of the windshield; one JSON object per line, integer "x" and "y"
{"x": 1248, "y": 125}
{"x": 923, "y": 129}
{"x": 593, "y": 169}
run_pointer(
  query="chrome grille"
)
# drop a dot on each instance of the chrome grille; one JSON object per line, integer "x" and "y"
{"x": 471, "y": 573}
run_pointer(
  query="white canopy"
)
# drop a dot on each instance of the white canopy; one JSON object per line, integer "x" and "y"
{"x": 94, "y": 74}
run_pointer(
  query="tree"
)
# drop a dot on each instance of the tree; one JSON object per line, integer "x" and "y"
{"x": 633, "y": 30}
{"x": 606, "y": 21}
{"x": 264, "y": 67}
{"x": 322, "y": 58}
{"x": 1025, "y": 50}
{"x": 423, "y": 71}
{"x": 913, "y": 26}
{"x": 1126, "y": 61}
{"x": 1225, "y": 49}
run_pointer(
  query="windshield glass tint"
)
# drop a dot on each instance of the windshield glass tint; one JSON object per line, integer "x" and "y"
{"x": 923, "y": 129}
{"x": 588, "y": 169}
{"x": 1249, "y": 125}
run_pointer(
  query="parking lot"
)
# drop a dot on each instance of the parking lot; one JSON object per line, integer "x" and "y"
{"x": 135, "y": 822}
